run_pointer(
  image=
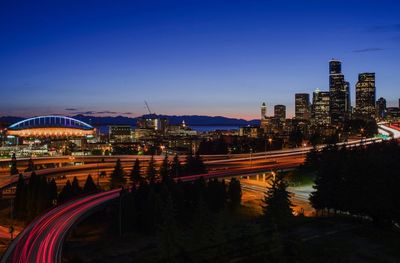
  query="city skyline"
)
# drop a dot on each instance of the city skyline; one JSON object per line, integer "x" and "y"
{"x": 107, "y": 60}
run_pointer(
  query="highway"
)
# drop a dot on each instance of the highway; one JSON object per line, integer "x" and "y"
{"x": 392, "y": 130}
{"x": 43, "y": 239}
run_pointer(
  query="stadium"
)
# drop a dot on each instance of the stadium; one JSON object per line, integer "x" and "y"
{"x": 51, "y": 127}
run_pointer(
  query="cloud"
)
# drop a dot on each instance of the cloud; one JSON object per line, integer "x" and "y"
{"x": 385, "y": 28}
{"x": 71, "y": 109}
{"x": 373, "y": 49}
{"x": 104, "y": 112}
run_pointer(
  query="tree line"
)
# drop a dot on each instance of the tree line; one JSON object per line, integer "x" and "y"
{"x": 37, "y": 194}
{"x": 361, "y": 181}
{"x": 193, "y": 165}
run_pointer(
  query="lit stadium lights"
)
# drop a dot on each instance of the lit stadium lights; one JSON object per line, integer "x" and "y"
{"x": 51, "y": 126}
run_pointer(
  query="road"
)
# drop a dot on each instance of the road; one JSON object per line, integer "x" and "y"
{"x": 43, "y": 239}
{"x": 392, "y": 130}
{"x": 299, "y": 195}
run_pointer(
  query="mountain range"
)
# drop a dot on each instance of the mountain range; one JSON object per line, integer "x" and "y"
{"x": 191, "y": 120}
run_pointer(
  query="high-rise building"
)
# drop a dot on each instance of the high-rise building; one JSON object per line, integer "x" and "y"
{"x": 263, "y": 111}
{"x": 302, "y": 106}
{"x": 339, "y": 89}
{"x": 280, "y": 113}
{"x": 381, "y": 108}
{"x": 320, "y": 108}
{"x": 365, "y": 95}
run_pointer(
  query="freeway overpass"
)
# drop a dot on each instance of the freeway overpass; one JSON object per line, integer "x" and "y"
{"x": 43, "y": 239}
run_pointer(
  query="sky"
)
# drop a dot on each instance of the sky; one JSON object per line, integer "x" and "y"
{"x": 188, "y": 57}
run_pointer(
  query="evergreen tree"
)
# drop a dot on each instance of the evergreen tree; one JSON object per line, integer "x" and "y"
{"x": 52, "y": 191}
{"x": 66, "y": 192}
{"x": 90, "y": 186}
{"x": 190, "y": 165}
{"x": 31, "y": 166}
{"x": 170, "y": 240}
{"x": 136, "y": 176}
{"x": 13, "y": 167}
{"x": 199, "y": 166}
{"x": 278, "y": 207}
{"x": 75, "y": 188}
{"x": 176, "y": 168}
{"x": 20, "y": 198}
{"x": 164, "y": 169}
{"x": 151, "y": 170}
{"x": 117, "y": 176}
{"x": 234, "y": 193}
{"x": 33, "y": 189}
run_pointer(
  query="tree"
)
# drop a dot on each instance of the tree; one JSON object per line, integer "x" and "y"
{"x": 75, "y": 188}
{"x": 52, "y": 191}
{"x": 151, "y": 169}
{"x": 176, "y": 168}
{"x": 90, "y": 186}
{"x": 189, "y": 165}
{"x": 31, "y": 166}
{"x": 136, "y": 176}
{"x": 13, "y": 167}
{"x": 117, "y": 176}
{"x": 170, "y": 240}
{"x": 278, "y": 208}
{"x": 234, "y": 193}
{"x": 66, "y": 192}
{"x": 164, "y": 169}
{"x": 20, "y": 198}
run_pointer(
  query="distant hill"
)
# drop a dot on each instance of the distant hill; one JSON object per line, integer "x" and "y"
{"x": 191, "y": 120}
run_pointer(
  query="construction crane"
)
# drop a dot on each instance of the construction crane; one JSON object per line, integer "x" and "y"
{"x": 148, "y": 108}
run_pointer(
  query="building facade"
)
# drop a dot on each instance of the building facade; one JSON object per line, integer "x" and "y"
{"x": 302, "y": 106}
{"x": 365, "y": 96}
{"x": 320, "y": 108}
{"x": 339, "y": 89}
{"x": 381, "y": 108}
{"x": 280, "y": 113}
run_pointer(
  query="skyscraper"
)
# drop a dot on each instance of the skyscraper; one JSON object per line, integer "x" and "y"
{"x": 365, "y": 95}
{"x": 339, "y": 90}
{"x": 381, "y": 108}
{"x": 263, "y": 111}
{"x": 302, "y": 106}
{"x": 280, "y": 113}
{"x": 320, "y": 108}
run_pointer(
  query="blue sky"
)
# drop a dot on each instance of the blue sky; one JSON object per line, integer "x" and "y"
{"x": 188, "y": 57}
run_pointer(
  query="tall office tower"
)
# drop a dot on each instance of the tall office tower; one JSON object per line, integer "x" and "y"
{"x": 280, "y": 112}
{"x": 263, "y": 111}
{"x": 302, "y": 106}
{"x": 365, "y": 95}
{"x": 320, "y": 108}
{"x": 339, "y": 89}
{"x": 381, "y": 108}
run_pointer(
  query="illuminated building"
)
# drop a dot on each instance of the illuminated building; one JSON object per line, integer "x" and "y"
{"x": 120, "y": 133}
{"x": 381, "y": 108}
{"x": 339, "y": 89}
{"x": 365, "y": 95}
{"x": 280, "y": 112}
{"x": 302, "y": 106}
{"x": 51, "y": 127}
{"x": 320, "y": 108}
